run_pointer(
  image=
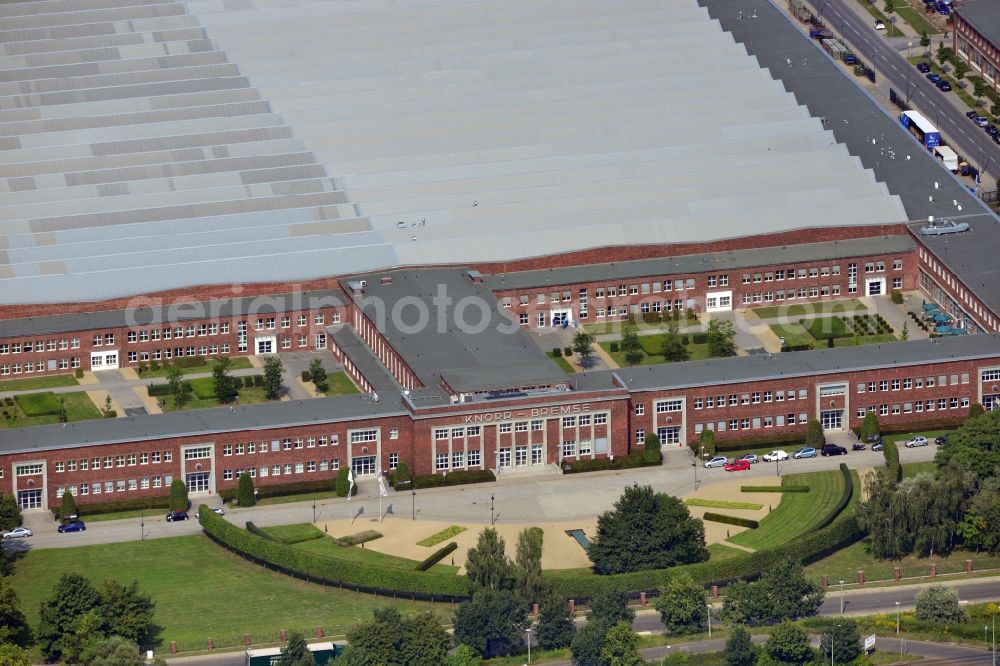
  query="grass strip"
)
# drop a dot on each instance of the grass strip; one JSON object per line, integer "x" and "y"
{"x": 443, "y": 535}
{"x": 722, "y": 504}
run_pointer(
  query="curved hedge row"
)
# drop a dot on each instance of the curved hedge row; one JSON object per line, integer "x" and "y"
{"x": 845, "y": 499}
{"x": 359, "y": 576}
{"x": 730, "y": 520}
{"x": 807, "y": 548}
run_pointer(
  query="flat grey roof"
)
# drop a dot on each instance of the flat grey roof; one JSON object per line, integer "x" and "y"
{"x": 984, "y": 16}
{"x": 364, "y": 360}
{"x": 199, "y": 422}
{"x": 725, "y": 371}
{"x": 143, "y": 316}
{"x": 696, "y": 263}
{"x": 829, "y": 91}
{"x": 465, "y": 340}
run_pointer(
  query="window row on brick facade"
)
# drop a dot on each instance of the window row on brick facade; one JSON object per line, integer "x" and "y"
{"x": 109, "y": 462}
{"x": 908, "y": 383}
{"x": 286, "y": 469}
{"x": 116, "y": 486}
{"x": 754, "y": 422}
{"x": 917, "y": 406}
{"x": 29, "y": 346}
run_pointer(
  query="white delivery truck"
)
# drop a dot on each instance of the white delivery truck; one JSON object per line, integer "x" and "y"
{"x": 948, "y": 156}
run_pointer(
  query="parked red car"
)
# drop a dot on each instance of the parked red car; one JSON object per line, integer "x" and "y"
{"x": 738, "y": 466}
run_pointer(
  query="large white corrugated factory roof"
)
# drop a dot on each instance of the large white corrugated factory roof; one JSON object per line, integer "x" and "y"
{"x": 151, "y": 145}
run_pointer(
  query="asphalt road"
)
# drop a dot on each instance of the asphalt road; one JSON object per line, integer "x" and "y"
{"x": 888, "y": 57}
{"x": 544, "y": 497}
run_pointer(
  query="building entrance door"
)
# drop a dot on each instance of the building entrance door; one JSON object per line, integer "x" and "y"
{"x": 29, "y": 499}
{"x": 832, "y": 419}
{"x": 197, "y": 482}
{"x": 363, "y": 465}
{"x": 503, "y": 457}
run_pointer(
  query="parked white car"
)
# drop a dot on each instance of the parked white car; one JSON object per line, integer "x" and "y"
{"x": 775, "y": 455}
{"x": 17, "y": 533}
{"x": 919, "y": 440}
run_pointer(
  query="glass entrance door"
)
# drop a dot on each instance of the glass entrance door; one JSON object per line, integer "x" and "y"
{"x": 197, "y": 482}
{"x": 29, "y": 499}
{"x": 537, "y": 454}
{"x": 521, "y": 456}
{"x": 363, "y": 465}
{"x": 503, "y": 459}
{"x": 832, "y": 419}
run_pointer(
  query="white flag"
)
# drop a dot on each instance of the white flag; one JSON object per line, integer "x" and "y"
{"x": 350, "y": 480}
{"x": 381, "y": 487}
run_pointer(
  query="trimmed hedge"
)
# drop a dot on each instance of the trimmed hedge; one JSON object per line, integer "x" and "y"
{"x": 360, "y": 537}
{"x": 632, "y": 460}
{"x": 775, "y": 489}
{"x": 730, "y": 520}
{"x": 891, "y": 453}
{"x": 808, "y": 548}
{"x": 115, "y": 506}
{"x": 352, "y": 574}
{"x": 748, "y": 443}
{"x": 845, "y": 498}
{"x": 456, "y": 478}
{"x": 282, "y": 489}
{"x": 253, "y": 529}
{"x": 190, "y": 361}
{"x": 436, "y": 557}
{"x": 163, "y": 390}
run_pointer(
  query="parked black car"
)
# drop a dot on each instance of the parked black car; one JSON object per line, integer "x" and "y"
{"x": 941, "y": 439}
{"x": 176, "y": 515}
{"x": 858, "y": 447}
{"x": 832, "y": 450}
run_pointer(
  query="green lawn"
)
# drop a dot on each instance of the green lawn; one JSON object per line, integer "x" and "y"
{"x": 562, "y": 363}
{"x": 797, "y": 513}
{"x": 720, "y": 551}
{"x": 846, "y": 562}
{"x": 79, "y": 407}
{"x": 329, "y": 548}
{"x": 651, "y": 343}
{"x": 865, "y": 340}
{"x": 916, "y": 21}
{"x": 340, "y": 384}
{"x": 845, "y": 306}
{"x": 33, "y": 383}
{"x": 722, "y": 504}
{"x": 44, "y": 403}
{"x": 914, "y": 468}
{"x": 235, "y": 363}
{"x": 794, "y": 334}
{"x": 202, "y": 396}
{"x": 203, "y": 591}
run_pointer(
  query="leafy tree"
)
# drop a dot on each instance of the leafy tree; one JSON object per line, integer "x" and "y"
{"x": 789, "y": 644}
{"x": 127, "y": 612}
{"x": 402, "y": 474}
{"x": 491, "y": 623}
{"x": 178, "y": 496}
{"x": 646, "y": 530}
{"x": 296, "y": 653}
{"x": 10, "y": 512}
{"x": 925, "y": 39}
{"x": 463, "y": 655}
{"x": 583, "y": 346}
{"x": 975, "y": 409}
{"x": 175, "y": 385}
{"x": 740, "y": 651}
{"x": 528, "y": 565}
{"x": 651, "y": 448}
{"x": 12, "y": 655}
{"x": 610, "y": 608}
{"x": 814, "y": 434}
{"x": 68, "y": 506}
{"x": 631, "y": 347}
{"x": 782, "y": 593}
{"x": 317, "y": 373}
{"x": 721, "y": 339}
{"x": 487, "y": 566}
{"x": 555, "y": 627}
{"x": 588, "y": 644}
{"x": 342, "y": 485}
{"x": 672, "y": 348}
{"x": 392, "y": 640}
{"x": 620, "y": 647}
{"x": 72, "y": 598}
{"x": 961, "y": 69}
{"x": 890, "y": 7}
{"x": 978, "y": 89}
{"x": 13, "y": 625}
{"x": 995, "y": 110}
{"x": 244, "y": 491}
{"x": 683, "y": 605}
{"x": 273, "y": 370}
{"x": 940, "y": 605}
{"x": 843, "y": 639}
{"x": 943, "y": 54}
{"x": 223, "y": 383}
{"x": 707, "y": 441}
{"x": 114, "y": 651}
{"x": 63, "y": 414}
{"x": 975, "y": 446}
{"x": 870, "y": 426}
{"x": 979, "y": 528}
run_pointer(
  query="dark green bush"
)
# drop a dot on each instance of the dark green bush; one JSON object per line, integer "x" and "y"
{"x": 613, "y": 347}
{"x": 190, "y": 361}
{"x": 248, "y": 381}
{"x": 359, "y": 537}
{"x": 343, "y": 484}
{"x": 891, "y": 453}
{"x": 78, "y": 373}
{"x": 253, "y": 529}
{"x": 436, "y": 557}
{"x": 115, "y": 506}
{"x": 258, "y": 380}
{"x": 775, "y": 489}
{"x": 730, "y": 520}
{"x": 634, "y": 459}
{"x": 699, "y": 338}
{"x": 163, "y": 390}
{"x": 797, "y": 348}
{"x": 401, "y": 477}
{"x": 282, "y": 489}
{"x": 330, "y": 570}
{"x": 556, "y": 352}
{"x": 567, "y": 351}
{"x": 455, "y": 478}
{"x": 306, "y": 376}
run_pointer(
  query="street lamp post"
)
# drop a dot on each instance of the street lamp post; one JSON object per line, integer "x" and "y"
{"x": 142, "y": 525}
{"x": 709, "y": 606}
{"x": 413, "y": 503}
{"x": 527, "y": 633}
{"x": 493, "y": 520}
{"x": 897, "y": 618}
{"x": 314, "y": 510}
{"x": 841, "y": 597}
